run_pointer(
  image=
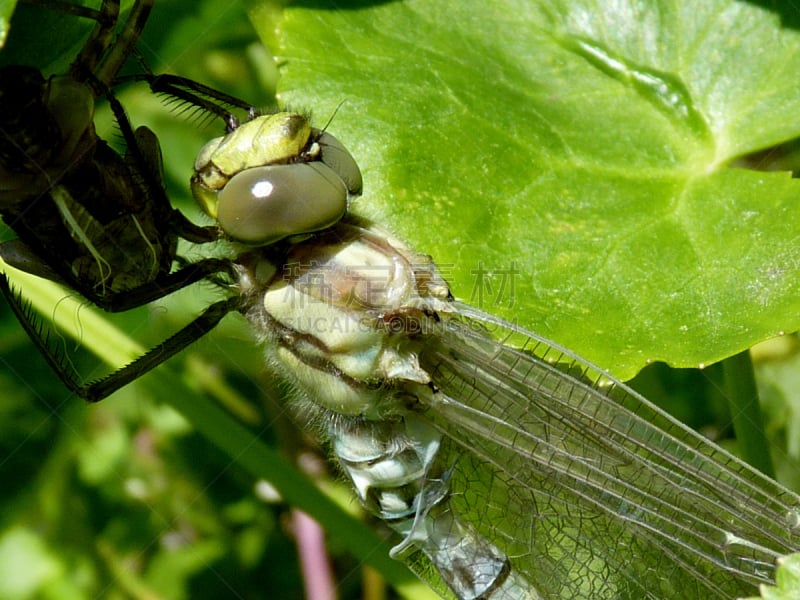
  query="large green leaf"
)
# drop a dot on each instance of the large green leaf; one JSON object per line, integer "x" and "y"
{"x": 569, "y": 164}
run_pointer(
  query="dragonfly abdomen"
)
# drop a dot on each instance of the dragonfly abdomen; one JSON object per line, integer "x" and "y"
{"x": 397, "y": 473}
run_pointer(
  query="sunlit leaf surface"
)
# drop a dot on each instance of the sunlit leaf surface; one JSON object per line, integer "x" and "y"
{"x": 571, "y": 165}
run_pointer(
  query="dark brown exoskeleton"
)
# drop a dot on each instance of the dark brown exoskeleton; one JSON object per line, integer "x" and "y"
{"x": 86, "y": 216}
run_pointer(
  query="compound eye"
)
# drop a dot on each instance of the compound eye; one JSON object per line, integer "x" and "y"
{"x": 263, "y": 205}
{"x": 337, "y": 157}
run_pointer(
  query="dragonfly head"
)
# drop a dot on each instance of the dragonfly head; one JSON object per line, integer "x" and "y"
{"x": 274, "y": 177}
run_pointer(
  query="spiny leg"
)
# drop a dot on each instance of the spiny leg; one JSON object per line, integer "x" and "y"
{"x": 192, "y": 92}
{"x": 104, "y": 387}
{"x": 199, "y": 327}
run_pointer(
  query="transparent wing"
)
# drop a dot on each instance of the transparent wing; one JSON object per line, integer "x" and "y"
{"x": 592, "y": 491}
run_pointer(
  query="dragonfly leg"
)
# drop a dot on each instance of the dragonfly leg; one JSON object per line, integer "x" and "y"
{"x": 164, "y": 285}
{"x": 200, "y": 326}
{"x": 191, "y": 232}
{"x": 214, "y": 101}
{"x": 101, "y": 388}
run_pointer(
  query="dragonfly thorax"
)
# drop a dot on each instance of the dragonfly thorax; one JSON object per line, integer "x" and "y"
{"x": 348, "y": 310}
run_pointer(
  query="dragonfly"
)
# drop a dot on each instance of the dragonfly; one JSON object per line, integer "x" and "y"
{"x": 86, "y": 216}
{"x": 511, "y": 467}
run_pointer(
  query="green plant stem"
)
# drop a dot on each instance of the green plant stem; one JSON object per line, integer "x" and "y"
{"x": 745, "y": 409}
